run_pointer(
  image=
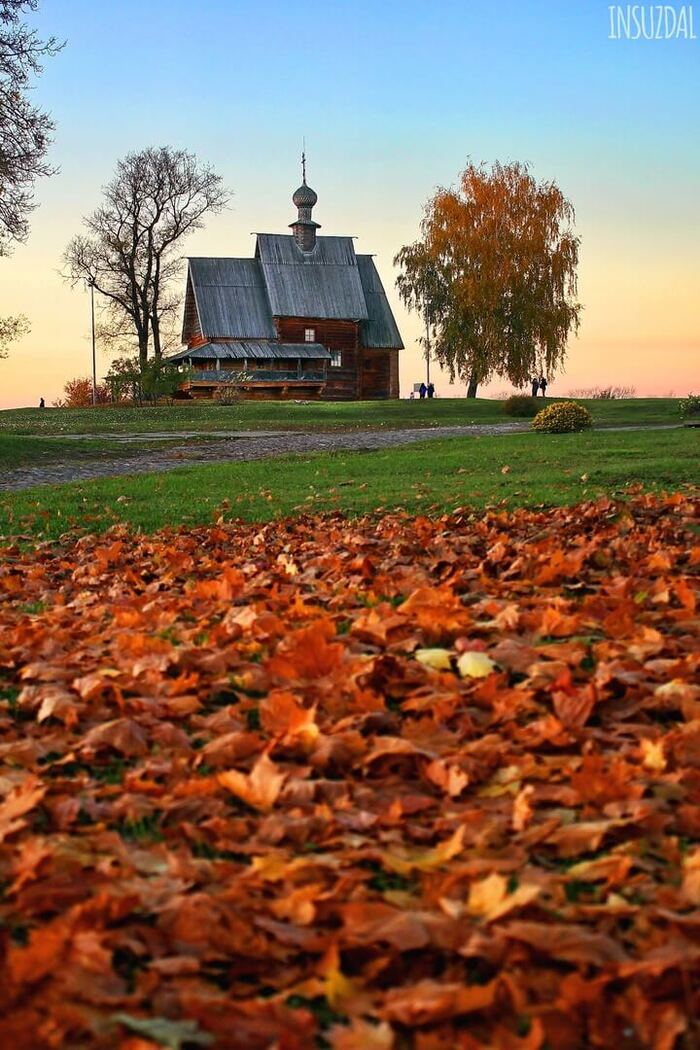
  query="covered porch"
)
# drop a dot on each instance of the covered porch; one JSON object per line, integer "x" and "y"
{"x": 263, "y": 369}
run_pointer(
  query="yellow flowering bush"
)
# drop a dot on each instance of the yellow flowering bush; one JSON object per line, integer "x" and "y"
{"x": 563, "y": 417}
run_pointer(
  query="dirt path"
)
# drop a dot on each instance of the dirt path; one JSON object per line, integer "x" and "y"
{"x": 234, "y": 447}
{"x": 198, "y": 448}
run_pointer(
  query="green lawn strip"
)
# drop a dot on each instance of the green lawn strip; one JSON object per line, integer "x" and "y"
{"x": 17, "y": 450}
{"x": 322, "y": 415}
{"x": 430, "y": 476}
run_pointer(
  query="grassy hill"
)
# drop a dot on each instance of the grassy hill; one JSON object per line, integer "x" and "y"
{"x": 323, "y": 415}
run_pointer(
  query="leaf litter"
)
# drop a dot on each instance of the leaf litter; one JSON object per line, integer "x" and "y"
{"x": 438, "y": 786}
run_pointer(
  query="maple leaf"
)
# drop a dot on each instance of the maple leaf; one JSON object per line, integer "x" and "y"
{"x": 429, "y": 1001}
{"x": 282, "y": 714}
{"x": 447, "y": 776}
{"x": 260, "y": 788}
{"x": 490, "y": 898}
{"x": 20, "y": 801}
{"x": 426, "y": 860}
{"x": 122, "y": 734}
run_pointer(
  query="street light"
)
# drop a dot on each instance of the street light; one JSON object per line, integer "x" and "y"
{"x": 91, "y": 283}
{"x": 427, "y": 353}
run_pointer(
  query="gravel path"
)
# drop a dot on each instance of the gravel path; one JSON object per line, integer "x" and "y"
{"x": 242, "y": 445}
{"x": 238, "y": 446}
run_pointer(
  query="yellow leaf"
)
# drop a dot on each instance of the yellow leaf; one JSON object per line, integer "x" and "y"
{"x": 438, "y": 659}
{"x": 490, "y": 898}
{"x": 425, "y": 860}
{"x": 298, "y": 906}
{"x": 487, "y": 894}
{"x": 475, "y": 665}
{"x": 336, "y": 986}
{"x": 691, "y": 878}
{"x": 653, "y": 757}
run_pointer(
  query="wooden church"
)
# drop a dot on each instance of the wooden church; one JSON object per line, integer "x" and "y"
{"x": 306, "y": 317}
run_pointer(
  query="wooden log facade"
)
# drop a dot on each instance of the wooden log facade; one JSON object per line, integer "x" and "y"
{"x": 304, "y": 318}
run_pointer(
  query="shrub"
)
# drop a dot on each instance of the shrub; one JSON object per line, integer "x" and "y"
{"x": 228, "y": 394}
{"x": 690, "y": 406}
{"x": 77, "y": 393}
{"x": 521, "y": 405}
{"x": 604, "y": 393}
{"x": 563, "y": 417}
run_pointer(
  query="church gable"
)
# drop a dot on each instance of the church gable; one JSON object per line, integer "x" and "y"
{"x": 305, "y": 317}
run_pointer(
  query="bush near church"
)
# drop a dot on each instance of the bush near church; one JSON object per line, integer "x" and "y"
{"x": 521, "y": 405}
{"x": 563, "y": 417}
{"x": 690, "y": 406}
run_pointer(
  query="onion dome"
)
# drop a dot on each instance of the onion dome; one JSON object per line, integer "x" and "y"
{"x": 304, "y": 197}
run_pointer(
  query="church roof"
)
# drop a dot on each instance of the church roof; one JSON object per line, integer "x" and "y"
{"x": 380, "y": 328}
{"x": 231, "y": 299}
{"x": 239, "y": 298}
{"x": 323, "y": 283}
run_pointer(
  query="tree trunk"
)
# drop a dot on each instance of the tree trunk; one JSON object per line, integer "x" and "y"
{"x": 473, "y": 383}
{"x": 143, "y": 349}
{"x": 155, "y": 330}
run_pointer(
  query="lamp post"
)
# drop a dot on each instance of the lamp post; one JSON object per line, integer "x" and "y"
{"x": 427, "y": 353}
{"x": 92, "y": 332}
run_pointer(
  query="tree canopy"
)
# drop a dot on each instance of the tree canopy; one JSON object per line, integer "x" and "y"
{"x": 493, "y": 275}
{"x": 25, "y": 130}
{"x": 131, "y": 250}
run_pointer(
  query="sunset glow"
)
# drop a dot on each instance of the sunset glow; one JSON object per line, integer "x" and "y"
{"x": 392, "y": 99}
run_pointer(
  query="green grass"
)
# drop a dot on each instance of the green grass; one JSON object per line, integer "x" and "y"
{"x": 17, "y": 450}
{"x": 431, "y": 476}
{"x": 322, "y": 415}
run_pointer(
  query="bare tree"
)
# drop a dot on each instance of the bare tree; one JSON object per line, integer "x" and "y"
{"x": 11, "y": 328}
{"x": 25, "y": 130}
{"x": 25, "y": 135}
{"x": 130, "y": 252}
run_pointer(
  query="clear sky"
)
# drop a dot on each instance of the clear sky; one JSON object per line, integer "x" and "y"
{"x": 393, "y": 96}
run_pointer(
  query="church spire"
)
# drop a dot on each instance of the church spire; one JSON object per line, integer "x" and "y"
{"x": 304, "y": 228}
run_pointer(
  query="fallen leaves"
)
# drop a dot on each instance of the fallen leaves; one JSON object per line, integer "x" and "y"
{"x": 260, "y": 788}
{"x": 475, "y": 665}
{"x": 394, "y": 783}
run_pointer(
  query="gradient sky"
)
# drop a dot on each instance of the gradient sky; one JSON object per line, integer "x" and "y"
{"x": 393, "y": 96}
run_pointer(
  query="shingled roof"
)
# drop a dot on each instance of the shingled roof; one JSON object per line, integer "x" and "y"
{"x": 239, "y": 298}
{"x": 323, "y": 283}
{"x": 230, "y": 299}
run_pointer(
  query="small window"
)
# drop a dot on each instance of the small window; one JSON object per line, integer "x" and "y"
{"x": 336, "y": 359}
{"x": 310, "y": 335}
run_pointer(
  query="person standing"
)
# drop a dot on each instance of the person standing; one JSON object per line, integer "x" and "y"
{"x": 535, "y": 385}
{"x": 422, "y": 390}
{"x": 543, "y": 386}
{"x": 42, "y": 403}
{"x": 431, "y": 389}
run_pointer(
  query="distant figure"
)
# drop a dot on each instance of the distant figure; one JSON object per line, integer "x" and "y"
{"x": 543, "y": 386}
{"x": 431, "y": 389}
{"x": 535, "y": 386}
{"x": 412, "y": 396}
{"x": 42, "y": 403}
{"x": 422, "y": 390}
